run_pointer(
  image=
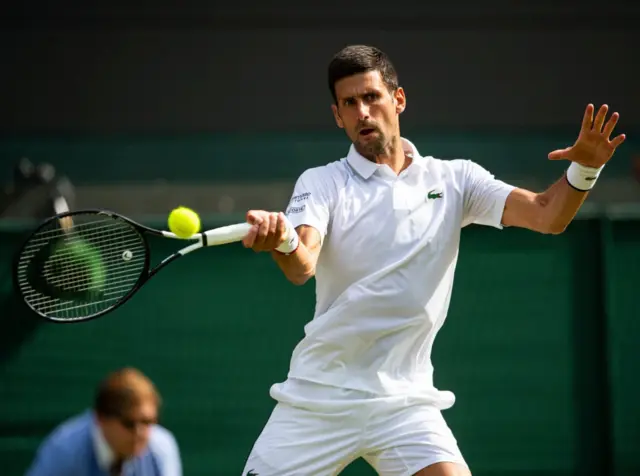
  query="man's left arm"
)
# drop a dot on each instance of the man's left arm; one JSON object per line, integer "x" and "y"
{"x": 547, "y": 212}
{"x": 552, "y": 210}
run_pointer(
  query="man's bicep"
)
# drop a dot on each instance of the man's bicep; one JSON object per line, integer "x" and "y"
{"x": 310, "y": 203}
{"x": 484, "y": 196}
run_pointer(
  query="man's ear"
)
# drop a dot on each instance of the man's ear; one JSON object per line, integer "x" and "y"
{"x": 336, "y": 116}
{"x": 400, "y": 99}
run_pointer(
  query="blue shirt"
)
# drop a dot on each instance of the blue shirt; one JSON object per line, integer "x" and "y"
{"x": 72, "y": 449}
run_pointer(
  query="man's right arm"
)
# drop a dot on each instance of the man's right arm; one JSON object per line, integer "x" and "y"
{"x": 272, "y": 230}
{"x": 300, "y": 265}
{"x": 308, "y": 214}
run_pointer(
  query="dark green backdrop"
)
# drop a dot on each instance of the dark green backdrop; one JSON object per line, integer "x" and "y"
{"x": 540, "y": 347}
{"x": 227, "y": 158}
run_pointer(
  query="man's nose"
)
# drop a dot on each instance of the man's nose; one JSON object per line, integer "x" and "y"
{"x": 363, "y": 111}
{"x": 142, "y": 430}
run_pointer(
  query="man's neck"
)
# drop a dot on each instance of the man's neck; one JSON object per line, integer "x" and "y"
{"x": 395, "y": 156}
{"x": 105, "y": 455}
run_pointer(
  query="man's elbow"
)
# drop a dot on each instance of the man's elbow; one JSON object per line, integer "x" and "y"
{"x": 557, "y": 228}
{"x": 545, "y": 221}
{"x": 300, "y": 278}
{"x": 549, "y": 227}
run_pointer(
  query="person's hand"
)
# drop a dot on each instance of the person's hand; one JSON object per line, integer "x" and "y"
{"x": 268, "y": 231}
{"x": 593, "y": 147}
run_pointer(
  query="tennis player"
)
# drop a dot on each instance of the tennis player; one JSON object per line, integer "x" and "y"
{"x": 380, "y": 230}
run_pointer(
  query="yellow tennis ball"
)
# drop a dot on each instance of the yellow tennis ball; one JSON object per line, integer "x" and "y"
{"x": 184, "y": 222}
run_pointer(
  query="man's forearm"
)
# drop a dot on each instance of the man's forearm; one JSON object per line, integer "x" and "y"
{"x": 560, "y": 202}
{"x": 299, "y": 266}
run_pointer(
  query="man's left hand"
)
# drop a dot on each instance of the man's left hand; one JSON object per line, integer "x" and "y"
{"x": 593, "y": 147}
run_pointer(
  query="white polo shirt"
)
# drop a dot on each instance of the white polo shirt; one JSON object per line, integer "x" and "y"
{"x": 385, "y": 271}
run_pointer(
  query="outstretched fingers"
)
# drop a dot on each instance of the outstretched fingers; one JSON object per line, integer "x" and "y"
{"x": 618, "y": 140}
{"x": 611, "y": 123}
{"x": 600, "y": 117}
{"x": 587, "y": 119}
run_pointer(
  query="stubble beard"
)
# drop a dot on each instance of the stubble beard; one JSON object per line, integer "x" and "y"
{"x": 373, "y": 148}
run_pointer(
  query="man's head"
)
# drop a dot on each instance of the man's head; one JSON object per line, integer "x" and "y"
{"x": 126, "y": 407}
{"x": 367, "y": 98}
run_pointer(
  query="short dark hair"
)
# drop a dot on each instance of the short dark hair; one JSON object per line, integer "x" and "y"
{"x": 356, "y": 59}
{"x": 122, "y": 390}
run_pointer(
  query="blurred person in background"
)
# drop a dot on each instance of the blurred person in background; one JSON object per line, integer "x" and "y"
{"x": 37, "y": 191}
{"x": 120, "y": 436}
{"x": 380, "y": 231}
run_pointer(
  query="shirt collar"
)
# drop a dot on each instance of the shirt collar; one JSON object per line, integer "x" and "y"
{"x": 104, "y": 453}
{"x": 366, "y": 168}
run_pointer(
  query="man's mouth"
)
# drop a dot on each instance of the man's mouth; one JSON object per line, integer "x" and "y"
{"x": 366, "y": 131}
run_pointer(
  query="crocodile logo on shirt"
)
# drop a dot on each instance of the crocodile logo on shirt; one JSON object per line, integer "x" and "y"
{"x": 434, "y": 194}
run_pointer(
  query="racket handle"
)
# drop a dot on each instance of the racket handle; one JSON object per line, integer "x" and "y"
{"x": 227, "y": 234}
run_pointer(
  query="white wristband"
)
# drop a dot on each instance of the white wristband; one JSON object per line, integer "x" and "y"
{"x": 582, "y": 178}
{"x": 291, "y": 241}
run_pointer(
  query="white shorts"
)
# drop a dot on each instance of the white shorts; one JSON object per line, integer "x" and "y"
{"x": 316, "y": 430}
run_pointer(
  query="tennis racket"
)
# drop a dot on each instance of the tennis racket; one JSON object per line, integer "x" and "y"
{"x": 80, "y": 265}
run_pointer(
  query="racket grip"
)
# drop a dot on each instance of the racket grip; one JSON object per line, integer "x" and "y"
{"x": 227, "y": 234}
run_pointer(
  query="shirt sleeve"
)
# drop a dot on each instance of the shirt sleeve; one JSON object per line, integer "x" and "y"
{"x": 166, "y": 448}
{"x": 170, "y": 455}
{"x": 310, "y": 203}
{"x": 484, "y": 196}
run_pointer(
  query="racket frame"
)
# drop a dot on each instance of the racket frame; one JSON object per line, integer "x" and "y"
{"x": 215, "y": 236}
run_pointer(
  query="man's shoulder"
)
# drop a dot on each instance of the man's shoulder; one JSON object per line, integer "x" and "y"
{"x": 448, "y": 165}
{"x": 332, "y": 170}
{"x": 455, "y": 170}
{"x": 326, "y": 179}
{"x": 76, "y": 427}
{"x": 162, "y": 439}
{"x": 70, "y": 441}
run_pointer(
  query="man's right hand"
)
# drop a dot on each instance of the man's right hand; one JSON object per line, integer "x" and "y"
{"x": 268, "y": 231}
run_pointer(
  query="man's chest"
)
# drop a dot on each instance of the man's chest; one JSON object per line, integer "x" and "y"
{"x": 377, "y": 224}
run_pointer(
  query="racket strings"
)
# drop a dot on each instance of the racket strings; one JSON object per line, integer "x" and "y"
{"x": 81, "y": 285}
{"x": 77, "y": 229}
{"x": 62, "y": 271}
{"x": 80, "y": 269}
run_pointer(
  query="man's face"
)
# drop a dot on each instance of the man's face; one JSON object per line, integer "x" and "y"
{"x": 128, "y": 434}
{"x": 368, "y": 111}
